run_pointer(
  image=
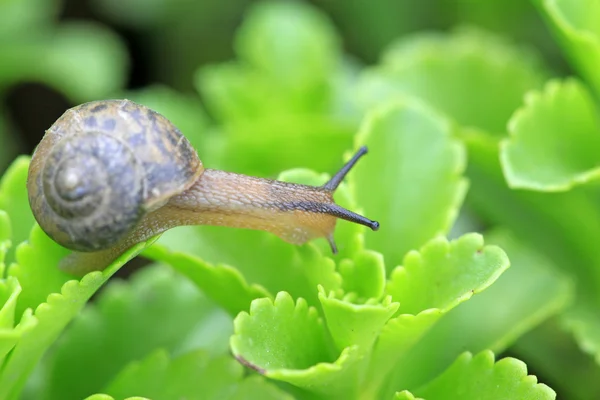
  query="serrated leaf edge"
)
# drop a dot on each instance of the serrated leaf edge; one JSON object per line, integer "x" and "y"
{"x": 386, "y": 302}
{"x": 415, "y": 256}
{"x": 284, "y": 299}
{"x": 530, "y": 102}
{"x": 154, "y": 252}
{"x": 487, "y": 358}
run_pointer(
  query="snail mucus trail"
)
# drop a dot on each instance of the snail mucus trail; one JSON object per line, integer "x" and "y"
{"x": 109, "y": 174}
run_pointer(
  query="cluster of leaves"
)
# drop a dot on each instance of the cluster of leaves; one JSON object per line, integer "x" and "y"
{"x": 83, "y": 61}
{"x": 464, "y": 128}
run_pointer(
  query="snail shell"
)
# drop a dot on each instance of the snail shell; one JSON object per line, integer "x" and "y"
{"x": 101, "y": 166}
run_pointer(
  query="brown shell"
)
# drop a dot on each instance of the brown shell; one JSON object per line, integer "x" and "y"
{"x": 101, "y": 166}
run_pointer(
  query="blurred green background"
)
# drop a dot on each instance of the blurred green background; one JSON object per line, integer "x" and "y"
{"x": 165, "y": 41}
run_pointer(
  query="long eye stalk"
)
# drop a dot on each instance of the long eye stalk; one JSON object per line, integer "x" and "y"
{"x": 340, "y": 212}
{"x": 335, "y": 181}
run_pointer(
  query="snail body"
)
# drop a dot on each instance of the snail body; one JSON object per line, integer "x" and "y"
{"x": 109, "y": 174}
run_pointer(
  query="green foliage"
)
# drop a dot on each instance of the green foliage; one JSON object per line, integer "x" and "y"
{"x": 283, "y": 96}
{"x": 463, "y": 73}
{"x": 156, "y": 309}
{"x": 13, "y": 200}
{"x": 558, "y": 129}
{"x": 575, "y": 25}
{"x": 84, "y": 61}
{"x": 218, "y": 378}
{"x": 467, "y": 131}
{"x": 457, "y": 269}
{"x": 287, "y": 55}
{"x": 480, "y": 378}
{"x": 81, "y": 60}
{"x": 43, "y": 299}
{"x": 425, "y": 158}
{"x": 363, "y": 332}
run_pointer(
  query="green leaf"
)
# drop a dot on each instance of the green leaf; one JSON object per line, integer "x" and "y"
{"x": 107, "y": 397}
{"x": 288, "y": 342}
{"x": 21, "y": 17}
{"x": 430, "y": 284}
{"x": 14, "y": 200}
{"x": 551, "y": 351}
{"x": 411, "y": 182}
{"x": 293, "y": 43}
{"x": 584, "y": 324}
{"x": 298, "y": 270}
{"x": 397, "y": 337}
{"x": 37, "y": 270}
{"x": 554, "y": 142}
{"x": 276, "y": 266}
{"x": 355, "y": 324}
{"x": 575, "y": 25}
{"x": 9, "y": 293}
{"x": 406, "y": 395}
{"x": 84, "y": 61}
{"x": 5, "y": 236}
{"x": 295, "y": 338}
{"x": 456, "y": 74}
{"x": 363, "y": 275}
{"x": 514, "y": 18}
{"x": 526, "y": 294}
{"x": 269, "y": 146}
{"x": 263, "y": 258}
{"x": 223, "y": 284}
{"x": 235, "y": 93}
{"x": 255, "y": 387}
{"x": 155, "y": 308}
{"x": 159, "y": 377}
{"x": 283, "y": 68}
{"x": 51, "y": 316}
{"x": 443, "y": 274}
{"x": 529, "y": 292}
{"x": 547, "y": 221}
{"x": 480, "y": 378}
{"x": 340, "y": 379}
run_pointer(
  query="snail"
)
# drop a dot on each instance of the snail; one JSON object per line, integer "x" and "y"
{"x": 111, "y": 173}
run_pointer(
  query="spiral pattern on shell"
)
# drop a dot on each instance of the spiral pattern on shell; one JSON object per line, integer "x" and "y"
{"x": 101, "y": 166}
{"x": 94, "y": 186}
